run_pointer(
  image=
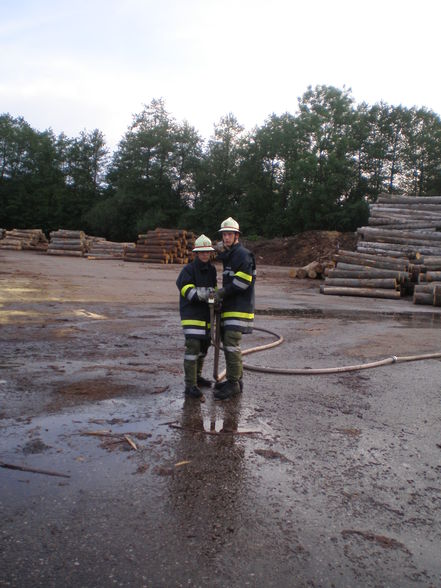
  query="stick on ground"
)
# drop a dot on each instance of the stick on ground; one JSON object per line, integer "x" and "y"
{"x": 22, "y": 468}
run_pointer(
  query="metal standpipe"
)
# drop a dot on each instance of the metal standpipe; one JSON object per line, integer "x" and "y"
{"x": 215, "y": 334}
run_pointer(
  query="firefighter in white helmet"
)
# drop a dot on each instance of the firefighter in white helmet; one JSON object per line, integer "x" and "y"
{"x": 196, "y": 282}
{"x": 237, "y": 299}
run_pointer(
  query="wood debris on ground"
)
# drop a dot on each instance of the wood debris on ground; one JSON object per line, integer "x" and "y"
{"x": 25, "y": 468}
{"x": 313, "y": 270}
{"x": 115, "y": 438}
{"x": 297, "y": 251}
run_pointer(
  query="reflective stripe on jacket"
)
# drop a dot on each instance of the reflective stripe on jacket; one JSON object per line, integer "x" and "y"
{"x": 195, "y": 315}
{"x": 239, "y": 277}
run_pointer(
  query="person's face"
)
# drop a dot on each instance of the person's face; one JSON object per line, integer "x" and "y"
{"x": 204, "y": 256}
{"x": 228, "y": 238}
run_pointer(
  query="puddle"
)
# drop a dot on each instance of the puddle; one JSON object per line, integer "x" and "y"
{"x": 88, "y": 444}
{"x": 428, "y": 321}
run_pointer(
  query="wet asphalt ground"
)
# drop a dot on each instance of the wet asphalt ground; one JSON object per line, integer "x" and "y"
{"x": 301, "y": 481}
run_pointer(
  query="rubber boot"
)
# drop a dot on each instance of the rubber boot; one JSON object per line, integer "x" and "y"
{"x": 194, "y": 392}
{"x": 228, "y": 390}
{"x": 219, "y": 385}
{"x": 201, "y": 381}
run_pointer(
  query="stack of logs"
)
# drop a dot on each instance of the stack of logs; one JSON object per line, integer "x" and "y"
{"x": 312, "y": 270}
{"x": 100, "y": 248}
{"x": 398, "y": 254}
{"x": 65, "y": 242}
{"x": 362, "y": 274}
{"x": 162, "y": 246}
{"x": 428, "y": 289}
{"x": 17, "y": 239}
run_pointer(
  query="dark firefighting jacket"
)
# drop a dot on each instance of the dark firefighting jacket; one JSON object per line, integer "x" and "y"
{"x": 239, "y": 277}
{"x": 195, "y": 315}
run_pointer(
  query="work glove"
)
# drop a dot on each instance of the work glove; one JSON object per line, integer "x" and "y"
{"x": 219, "y": 295}
{"x": 204, "y": 293}
{"x": 219, "y": 247}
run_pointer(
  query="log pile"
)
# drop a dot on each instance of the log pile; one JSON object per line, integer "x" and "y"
{"x": 397, "y": 252}
{"x": 30, "y": 239}
{"x": 313, "y": 270}
{"x": 100, "y": 248}
{"x": 428, "y": 289}
{"x": 65, "y": 242}
{"x": 2, "y": 233}
{"x": 162, "y": 246}
{"x": 429, "y": 293}
{"x": 359, "y": 274}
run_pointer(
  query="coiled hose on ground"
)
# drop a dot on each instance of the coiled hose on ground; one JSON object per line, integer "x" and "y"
{"x": 320, "y": 371}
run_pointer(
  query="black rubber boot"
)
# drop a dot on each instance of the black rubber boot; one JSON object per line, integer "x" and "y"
{"x": 219, "y": 385}
{"x": 204, "y": 382}
{"x": 193, "y": 392}
{"x": 228, "y": 390}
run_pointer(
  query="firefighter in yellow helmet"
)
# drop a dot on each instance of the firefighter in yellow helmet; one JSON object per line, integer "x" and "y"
{"x": 195, "y": 283}
{"x": 237, "y": 299}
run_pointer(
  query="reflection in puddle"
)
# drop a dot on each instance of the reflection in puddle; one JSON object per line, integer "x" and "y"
{"x": 427, "y": 321}
{"x": 212, "y": 417}
{"x": 213, "y": 424}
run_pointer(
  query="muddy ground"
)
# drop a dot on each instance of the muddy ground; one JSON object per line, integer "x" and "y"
{"x": 302, "y": 481}
{"x": 299, "y": 250}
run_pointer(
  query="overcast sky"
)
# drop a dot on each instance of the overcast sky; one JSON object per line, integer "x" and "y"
{"x": 86, "y": 64}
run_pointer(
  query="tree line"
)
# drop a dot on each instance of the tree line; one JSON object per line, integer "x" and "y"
{"x": 316, "y": 169}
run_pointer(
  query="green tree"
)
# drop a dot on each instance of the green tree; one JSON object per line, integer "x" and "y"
{"x": 316, "y": 169}
{"x": 323, "y": 176}
{"x": 422, "y": 154}
{"x": 217, "y": 181}
{"x": 83, "y": 160}
{"x": 150, "y": 178}
{"x": 187, "y": 154}
{"x": 381, "y": 148}
{"x": 266, "y": 157}
{"x": 30, "y": 178}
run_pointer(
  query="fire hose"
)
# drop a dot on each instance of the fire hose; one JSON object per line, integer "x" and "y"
{"x": 216, "y": 336}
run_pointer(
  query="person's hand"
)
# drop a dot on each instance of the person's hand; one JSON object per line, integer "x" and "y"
{"x": 219, "y": 295}
{"x": 219, "y": 247}
{"x": 203, "y": 294}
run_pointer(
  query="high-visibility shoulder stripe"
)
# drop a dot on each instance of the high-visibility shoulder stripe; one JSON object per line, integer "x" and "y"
{"x": 232, "y": 314}
{"x": 193, "y": 323}
{"x": 244, "y": 276}
{"x": 185, "y": 288}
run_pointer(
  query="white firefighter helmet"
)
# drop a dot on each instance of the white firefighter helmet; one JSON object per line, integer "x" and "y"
{"x": 229, "y": 225}
{"x": 202, "y": 243}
